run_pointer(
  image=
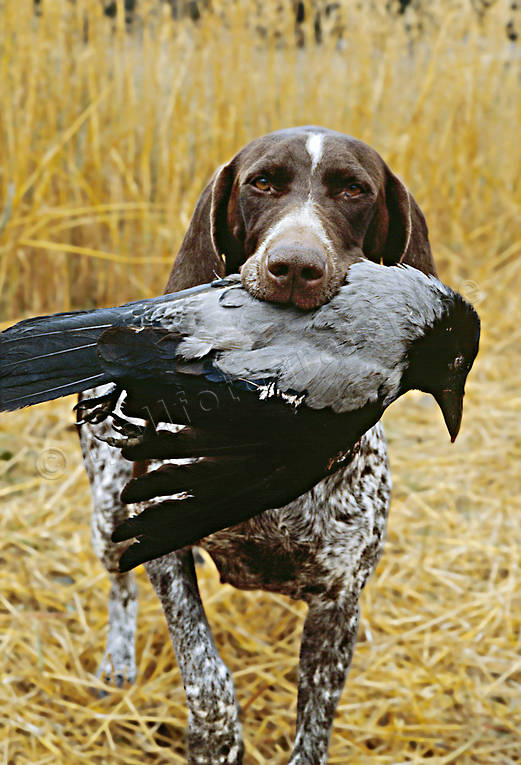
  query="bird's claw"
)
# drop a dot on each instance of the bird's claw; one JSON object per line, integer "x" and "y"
{"x": 97, "y": 409}
{"x": 132, "y": 434}
{"x": 120, "y": 443}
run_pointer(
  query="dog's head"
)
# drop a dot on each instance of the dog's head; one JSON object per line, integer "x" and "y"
{"x": 293, "y": 209}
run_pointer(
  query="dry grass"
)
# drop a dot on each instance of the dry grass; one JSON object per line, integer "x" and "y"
{"x": 104, "y": 148}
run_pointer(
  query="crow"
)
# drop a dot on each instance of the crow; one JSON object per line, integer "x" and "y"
{"x": 272, "y": 399}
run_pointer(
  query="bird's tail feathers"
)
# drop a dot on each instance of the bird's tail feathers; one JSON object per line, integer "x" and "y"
{"x": 52, "y": 356}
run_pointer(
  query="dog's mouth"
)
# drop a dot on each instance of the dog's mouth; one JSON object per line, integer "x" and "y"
{"x": 290, "y": 296}
{"x": 305, "y": 302}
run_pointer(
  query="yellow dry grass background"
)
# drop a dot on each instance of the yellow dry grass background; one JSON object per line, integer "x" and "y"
{"x": 106, "y": 140}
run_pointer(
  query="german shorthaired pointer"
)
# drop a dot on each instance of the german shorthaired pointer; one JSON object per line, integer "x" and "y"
{"x": 292, "y": 210}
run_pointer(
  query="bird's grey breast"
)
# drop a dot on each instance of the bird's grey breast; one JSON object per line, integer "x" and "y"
{"x": 343, "y": 355}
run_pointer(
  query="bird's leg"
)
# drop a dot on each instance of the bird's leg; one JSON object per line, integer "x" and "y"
{"x": 214, "y": 731}
{"x": 328, "y": 642}
{"x": 97, "y": 408}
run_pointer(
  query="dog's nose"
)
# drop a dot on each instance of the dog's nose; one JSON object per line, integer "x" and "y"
{"x": 298, "y": 268}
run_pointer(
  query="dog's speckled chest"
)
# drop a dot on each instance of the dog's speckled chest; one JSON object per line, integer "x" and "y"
{"x": 327, "y": 539}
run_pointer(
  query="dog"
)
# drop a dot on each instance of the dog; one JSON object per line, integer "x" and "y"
{"x": 291, "y": 211}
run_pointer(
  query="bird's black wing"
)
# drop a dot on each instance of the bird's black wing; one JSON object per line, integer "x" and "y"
{"x": 240, "y": 472}
{"x": 220, "y": 495}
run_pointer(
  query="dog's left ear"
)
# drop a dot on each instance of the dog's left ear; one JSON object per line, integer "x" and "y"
{"x": 398, "y": 232}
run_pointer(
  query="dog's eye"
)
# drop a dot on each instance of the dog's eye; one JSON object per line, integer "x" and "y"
{"x": 262, "y": 183}
{"x": 352, "y": 190}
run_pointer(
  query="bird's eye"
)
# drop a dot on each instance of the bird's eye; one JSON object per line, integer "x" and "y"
{"x": 352, "y": 190}
{"x": 262, "y": 183}
{"x": 459, "y": 362}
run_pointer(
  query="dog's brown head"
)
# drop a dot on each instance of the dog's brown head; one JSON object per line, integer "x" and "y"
{"x": 292, "y": 210}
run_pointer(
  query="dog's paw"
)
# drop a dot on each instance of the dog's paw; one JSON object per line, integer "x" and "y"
{"x": 117, "y": 669}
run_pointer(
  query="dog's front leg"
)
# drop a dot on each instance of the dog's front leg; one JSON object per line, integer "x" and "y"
{"x": 328, "y": 642}
{"x": 214, "y": 731}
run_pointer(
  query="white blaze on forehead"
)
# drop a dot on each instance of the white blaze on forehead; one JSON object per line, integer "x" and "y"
{"x": 315, "y": 148}
{"x": 304, "y": 219}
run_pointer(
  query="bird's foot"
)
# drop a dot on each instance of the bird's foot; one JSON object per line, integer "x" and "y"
{"x": 131, "y": 433}
{"x": 97, "y": 409}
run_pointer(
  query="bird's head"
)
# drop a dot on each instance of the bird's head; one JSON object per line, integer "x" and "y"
{"x": 439, "y": 361}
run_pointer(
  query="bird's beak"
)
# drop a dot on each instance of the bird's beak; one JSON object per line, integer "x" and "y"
{"x": 451, "y": 404}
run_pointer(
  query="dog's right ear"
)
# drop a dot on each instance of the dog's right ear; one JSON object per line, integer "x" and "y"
{"x": 212, "y": 246}
{"x": 398, "y": 232}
